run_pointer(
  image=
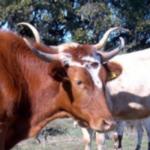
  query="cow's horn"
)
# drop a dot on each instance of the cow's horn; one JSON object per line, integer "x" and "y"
{"x": 108, "y": 55}
{"x": 33, "y": 29}
{"x": 103, "y": 41}
{"x": 45, "y": 56}
{"x": 35, "y": 33}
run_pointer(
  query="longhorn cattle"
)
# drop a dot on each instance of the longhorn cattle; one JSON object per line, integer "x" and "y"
{"x": 39, "y": 84}
{"x": 130, "y": 92}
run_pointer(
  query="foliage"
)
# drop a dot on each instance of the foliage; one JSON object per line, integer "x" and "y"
{"x": 82, "y": 21}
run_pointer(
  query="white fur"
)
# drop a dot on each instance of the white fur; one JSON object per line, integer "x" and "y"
{"x": 87, "y": 64}
{"x": 136, "y": 106}
{"x": 94, "y": 71}
{"x": 135, "y": 76}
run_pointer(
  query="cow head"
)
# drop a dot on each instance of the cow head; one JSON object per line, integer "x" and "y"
{"x": 82, "y": 72}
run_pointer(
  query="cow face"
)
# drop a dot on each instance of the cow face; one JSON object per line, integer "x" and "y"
{"x": 83, "y": 77}
{"x": 84, "y": 80}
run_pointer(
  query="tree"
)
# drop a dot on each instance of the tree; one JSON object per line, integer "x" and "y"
{"x": 135, "y": 15}
{"x": 82, "y": 21}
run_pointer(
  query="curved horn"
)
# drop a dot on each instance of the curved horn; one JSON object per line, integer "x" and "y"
{"x": 45, "y": 56}
{"x": 61, "y": 56}
{"x": 33, "y": 29}
{"x": 108, "y": 55}
{"x": 35, "y": 33}
{"x": 48, "y": 57}
{"x": 102, "y": 42}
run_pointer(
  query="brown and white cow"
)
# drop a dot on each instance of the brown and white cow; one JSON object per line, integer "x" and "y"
{"x": 39, "y": 84}
{"x": 130, "y": 92}
{"x": 117, "y": 135}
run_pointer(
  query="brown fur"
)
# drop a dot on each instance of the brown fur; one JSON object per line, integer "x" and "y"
{"x": 34, "y": 92}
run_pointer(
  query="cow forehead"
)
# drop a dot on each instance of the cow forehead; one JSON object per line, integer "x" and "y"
{"x": 94, "y": 58}
{"x": 83, "y": 56}
{"x": 92, "y": 69}
{"x": 92, "y": 63}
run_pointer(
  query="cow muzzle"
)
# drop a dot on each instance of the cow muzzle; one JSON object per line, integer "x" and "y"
{"x": 104, "y": 125}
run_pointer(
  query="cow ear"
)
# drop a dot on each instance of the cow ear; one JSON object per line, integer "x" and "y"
{"x": 113, "y": 70}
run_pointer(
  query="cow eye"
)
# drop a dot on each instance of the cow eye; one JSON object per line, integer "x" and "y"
{"x": 79, "y": 82}
{"x": 66, "y": 64}
{"x": 95, "y": 64}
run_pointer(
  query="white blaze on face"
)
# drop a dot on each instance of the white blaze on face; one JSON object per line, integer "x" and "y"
{"x": 93, "y": 66}
{"x": 66, "y": 58}
{"x": 90, "y": 63}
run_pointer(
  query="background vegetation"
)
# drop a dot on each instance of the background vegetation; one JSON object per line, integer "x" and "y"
{"x": 80, "y": 20}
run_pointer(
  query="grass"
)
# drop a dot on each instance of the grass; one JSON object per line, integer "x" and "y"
{"x": 71, "y": 139}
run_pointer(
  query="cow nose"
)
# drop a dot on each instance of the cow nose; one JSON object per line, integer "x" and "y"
{"x": 108, "y": 125}
{"x": 103, "y": 125}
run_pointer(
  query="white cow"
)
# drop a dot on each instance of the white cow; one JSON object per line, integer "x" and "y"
{"x": 130, "y": 92}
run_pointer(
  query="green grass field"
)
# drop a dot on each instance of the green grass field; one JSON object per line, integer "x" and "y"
{"x": 71, "y": 139}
